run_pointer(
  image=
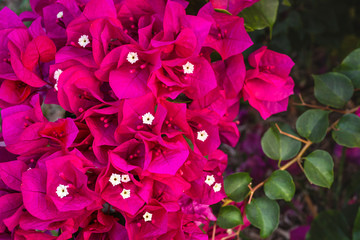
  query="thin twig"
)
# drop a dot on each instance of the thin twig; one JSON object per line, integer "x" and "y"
{"x": 214, "y": 231}
{"x": 290, "y": 135}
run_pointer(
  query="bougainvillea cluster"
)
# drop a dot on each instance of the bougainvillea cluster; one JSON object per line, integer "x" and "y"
{"x": 137, "y": 156}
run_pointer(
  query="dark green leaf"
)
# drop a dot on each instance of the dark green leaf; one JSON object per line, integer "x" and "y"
{"x": 319, "y": 168}
{"x": 347, "y": 132}
{"x": 328, "y": 225}
{"x": 260, "y": 15}
{"x": 356, "y": 229}
{"x": 278, "y": 146}
{"x": 333, "y": 89}
{"x": 236, "y": 186}
{"x": 313, "y": 124}
{"x": 264, "y": 214}
{"x": 229, "y": 217}
{"x": 280, "y": 185}
{"x": 350, "y": 66}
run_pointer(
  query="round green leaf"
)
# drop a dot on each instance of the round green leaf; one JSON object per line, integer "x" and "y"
{"x": 328, "y": 225}
{"x": 313, "y": 124}
{"x": 280, "y": 185}
{"x": 261, "y": 14}
{"x": 229, "y": 217}
{"x": 264, "y": 214}
{"x": 319, "y": 167}
{"x": 278, "y": 146}
{"x": 350, "y": 66}
{"x": 236, "y": 186}
{"x": 347, "y": 132}
{"x": 333, "y": 89}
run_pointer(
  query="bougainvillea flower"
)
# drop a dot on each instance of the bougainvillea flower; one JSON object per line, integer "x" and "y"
{"x": 60, "y": 189}
{"x": 24, "y": 139}
{"x": 165, "y": 157}
{"x": 127, "y": 69}
{"x": 120, "y": 189}
{"x": 183, "y": 35}
{"x": 149, "y": 223}
{"x": 79, "y": 90}
{"x": 230, "y": 75}
{"x": 193, "y": 76}
{"x": 233, "y": 6}
{"x": 227, "y": 34}
{"x": 13, "y": 93}
{"x": 268, "y": 86}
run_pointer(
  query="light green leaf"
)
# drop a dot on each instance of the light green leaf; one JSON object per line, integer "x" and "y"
{"x": 264, "y": 214}
{"x": 280, "y": 185}
{"x": 347, "y": 132}
{"x": 333, "y": 89}
{"x": 236, "y": 186}
{"x": 313, "y": 124}
{"x": 260, "y": 15}
{"x": 229, "y": 217}
{"x": 319, "y": 168}
{"x": 278, "y": 146}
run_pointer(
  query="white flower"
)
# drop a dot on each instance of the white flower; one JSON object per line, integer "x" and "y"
{"x": 60, "y": 14}
{"x": 132, "y": 57}
{"x": 62, "y": 191}
{"x": 217, "y": 187}
{"x": 147, "y": 216}
{"x": 84, "y": 41}
{"x": 125, "y": 178}
{"x": 148, "y": 118}
{"x": 125, "y": 193}
{"x": 188, "y": 68}
{"x": 202, "y": 135}
{"x": 210, "y": 180}
{"x": 115, "y": 179}
{"x": 57, "y": 74}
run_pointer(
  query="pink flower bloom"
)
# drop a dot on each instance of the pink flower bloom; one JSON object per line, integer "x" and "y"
{"x": 227, "y": 34}
{"x": 268, "y": 86}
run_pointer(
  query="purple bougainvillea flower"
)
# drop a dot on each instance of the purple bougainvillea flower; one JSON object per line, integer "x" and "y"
{"x": 227, "y": 34}
{"x": 268, "y": 86}
{"x": 233, "y": 6}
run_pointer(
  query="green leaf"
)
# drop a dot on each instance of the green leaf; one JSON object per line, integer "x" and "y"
{"x": 333, "y": 89}
{"x": 350, "y": 66}
{"x": 319, "y": 168}
{"x": 328, "y": 225}
{"x": 286, "y": 3}
{"x": 347, "y": 132}
{"x": 229, "y": 217}
{"x": 260, "y": 15}
{"x": 313, "y": 124}
{"x": 356, "y": 229}
{"x": 278, "y": 146}
{"x": 280, "y": 185}
{"x": 236, "y": 186}
{"x": 222, "y": 11}
{"x": 264, "y": 214}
